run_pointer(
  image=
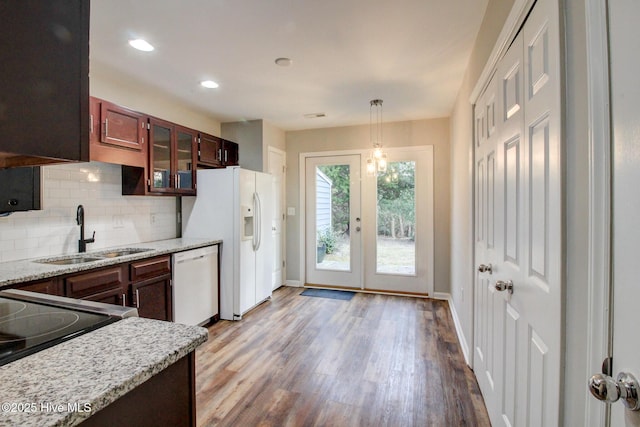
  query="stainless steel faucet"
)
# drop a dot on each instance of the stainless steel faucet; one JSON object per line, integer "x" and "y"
{"x": 82, "y": 243}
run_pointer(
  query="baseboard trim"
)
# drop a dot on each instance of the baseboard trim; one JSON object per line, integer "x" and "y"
{"x": 293, "y": 283}
{"x": 456, "y": 321}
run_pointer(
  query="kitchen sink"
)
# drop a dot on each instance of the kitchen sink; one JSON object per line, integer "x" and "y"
{"x": 73, "y": 260}
{"x": 84, "y": 258}
{"x": 121, "y": 252}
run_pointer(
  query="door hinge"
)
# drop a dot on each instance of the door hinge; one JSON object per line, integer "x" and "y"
{"x": 283, "y": 169}
{"x": 607, "y": 366}
{"x": 284, "y": 263}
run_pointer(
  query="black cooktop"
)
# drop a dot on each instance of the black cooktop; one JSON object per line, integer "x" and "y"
{"x": 28, "y": 327}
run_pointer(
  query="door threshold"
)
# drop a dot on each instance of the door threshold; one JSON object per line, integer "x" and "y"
{"x": 368, "y": 291}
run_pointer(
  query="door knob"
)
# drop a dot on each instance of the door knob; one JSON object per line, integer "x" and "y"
{"x": 605, "y": 388}
{"x": 504, "y": 286}
{"x": 357, "y": 228}
{"x": 485, "y": 268}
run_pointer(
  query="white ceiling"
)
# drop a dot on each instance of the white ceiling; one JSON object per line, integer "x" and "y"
{"x": 410, "y": 53}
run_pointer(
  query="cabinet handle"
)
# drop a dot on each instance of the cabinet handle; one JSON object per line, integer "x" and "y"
{"x": 91, "y": 124}
{"x": 226, "y": 155}
{"x": 137, "y": 298}
{"x": 219, "y": 154}
{"x": 106, "y": 127}
{"x": 178, "y": 181}
{"x": 124, "y": 300}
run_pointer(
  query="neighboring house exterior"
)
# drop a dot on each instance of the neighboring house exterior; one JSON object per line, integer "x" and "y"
{"x": 323, "y": 201}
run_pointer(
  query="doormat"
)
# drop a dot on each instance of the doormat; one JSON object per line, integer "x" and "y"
{"x": 328, "y": 293}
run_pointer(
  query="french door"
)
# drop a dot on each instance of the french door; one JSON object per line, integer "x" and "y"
{"x": 370, "y": 232}
{"x": 333, "y": 221}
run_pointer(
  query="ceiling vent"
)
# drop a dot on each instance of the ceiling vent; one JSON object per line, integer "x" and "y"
{"x": 314, "y": 115}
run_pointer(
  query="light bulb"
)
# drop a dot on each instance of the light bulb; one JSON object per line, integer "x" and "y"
{"x": 382, "y": 163}
{"x": 377, "y": 152}
{"x": 371, "y": 167}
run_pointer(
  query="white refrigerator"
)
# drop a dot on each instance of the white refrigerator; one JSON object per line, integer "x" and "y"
{"x": 234, "y": 205}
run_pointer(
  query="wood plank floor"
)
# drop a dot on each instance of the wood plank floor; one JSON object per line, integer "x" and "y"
{"x": 376, "y": 360}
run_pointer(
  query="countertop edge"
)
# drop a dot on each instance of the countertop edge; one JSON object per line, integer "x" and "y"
{"x": 129, "y": 352}
{"x": 30, "y": 270}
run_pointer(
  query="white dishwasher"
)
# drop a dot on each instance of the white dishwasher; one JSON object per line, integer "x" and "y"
{"x": 195, "y": 285}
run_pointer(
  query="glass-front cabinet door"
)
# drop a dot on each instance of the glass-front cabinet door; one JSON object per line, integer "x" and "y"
{"x": 185, "y": 156}
{"x": 161, "y": 178}
{"x": 171, "y": 158}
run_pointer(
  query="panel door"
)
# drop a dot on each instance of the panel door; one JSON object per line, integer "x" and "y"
{"x": 277, "y": 160}
{"x": 518, "y": 306}
{"x": 624, "y": 42}
{"x": 537, "y": 296}
{"x": 487, "y": 360}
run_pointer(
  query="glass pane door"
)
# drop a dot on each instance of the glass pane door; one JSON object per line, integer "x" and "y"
{"x": 396, "y": 231}
{"x": 333, "y": 221}
{"x": 333, "y": 217}
{"x": 398, "y": 234}
{"x": 160, "y": 156}
{"x": 184, "y": 159}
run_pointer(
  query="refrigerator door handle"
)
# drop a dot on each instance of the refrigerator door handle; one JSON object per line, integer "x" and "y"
{"x": 259, "y": 221}
{"x": 256, "y": 217}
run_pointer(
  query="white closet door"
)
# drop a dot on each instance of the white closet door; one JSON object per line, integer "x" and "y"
{"x": 518, "y": 305}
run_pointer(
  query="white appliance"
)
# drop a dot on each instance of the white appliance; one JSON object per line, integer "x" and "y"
{"x": 234, "y": 205}
{"x": 195, "y": 285}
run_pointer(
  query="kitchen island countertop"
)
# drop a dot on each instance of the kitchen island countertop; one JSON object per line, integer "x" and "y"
{"x": 67, "y": 383}
{"x": 20, "y": 271}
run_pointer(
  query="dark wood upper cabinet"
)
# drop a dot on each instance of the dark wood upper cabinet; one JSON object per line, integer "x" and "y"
{"x": 210, "y": 151}
{"x": 172, "y": 158}
{"x": 230, "y": 153}
{"x": 214, "y": 152}
{"x": 117, "y": 134}
{"x": 44, "y": 82}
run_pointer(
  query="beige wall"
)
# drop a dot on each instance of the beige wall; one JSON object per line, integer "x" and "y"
{"x": 462, "y": 262}
{"x": 254, "y": 138}
{"x": 112, "y": 86}
{"x": 399, "y": 134}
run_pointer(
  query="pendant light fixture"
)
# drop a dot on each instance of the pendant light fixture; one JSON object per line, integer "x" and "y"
{"x": 377, "y": 161}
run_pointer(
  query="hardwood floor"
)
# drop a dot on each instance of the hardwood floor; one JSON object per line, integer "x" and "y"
{"x": 376, "y": 360}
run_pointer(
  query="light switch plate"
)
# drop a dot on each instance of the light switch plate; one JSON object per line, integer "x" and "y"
{"x": 291, "y": 211}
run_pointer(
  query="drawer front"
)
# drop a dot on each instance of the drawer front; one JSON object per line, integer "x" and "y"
{"x": 94, "y": 282}
{"x": 153, "y": 267}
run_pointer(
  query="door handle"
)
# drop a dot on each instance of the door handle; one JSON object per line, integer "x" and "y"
{"x": 485, "y": 268}
{"x": 504, "y": 286}
{"x": 625, "y": 387}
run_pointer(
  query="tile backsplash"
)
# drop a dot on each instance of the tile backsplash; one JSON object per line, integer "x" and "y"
{"x": 116, "y": 219}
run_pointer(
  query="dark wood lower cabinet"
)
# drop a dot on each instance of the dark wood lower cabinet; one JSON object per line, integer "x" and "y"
{"x": 152, "y": 298}
{"x": 166, "y": 399}
{"x": 144, "y": 284}
{"x": 104, "y": 285}
{"x": 51, "y": 287}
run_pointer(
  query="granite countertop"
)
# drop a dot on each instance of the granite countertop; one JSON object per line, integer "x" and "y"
{"x": 20, "y": 271}
{"x": 92, "y": 370}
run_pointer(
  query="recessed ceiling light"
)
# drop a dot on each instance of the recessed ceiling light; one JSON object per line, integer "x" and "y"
{"x": 141, "y": 44}
{"x": 209, "y": 84}
{"x": 283, "y": 62}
